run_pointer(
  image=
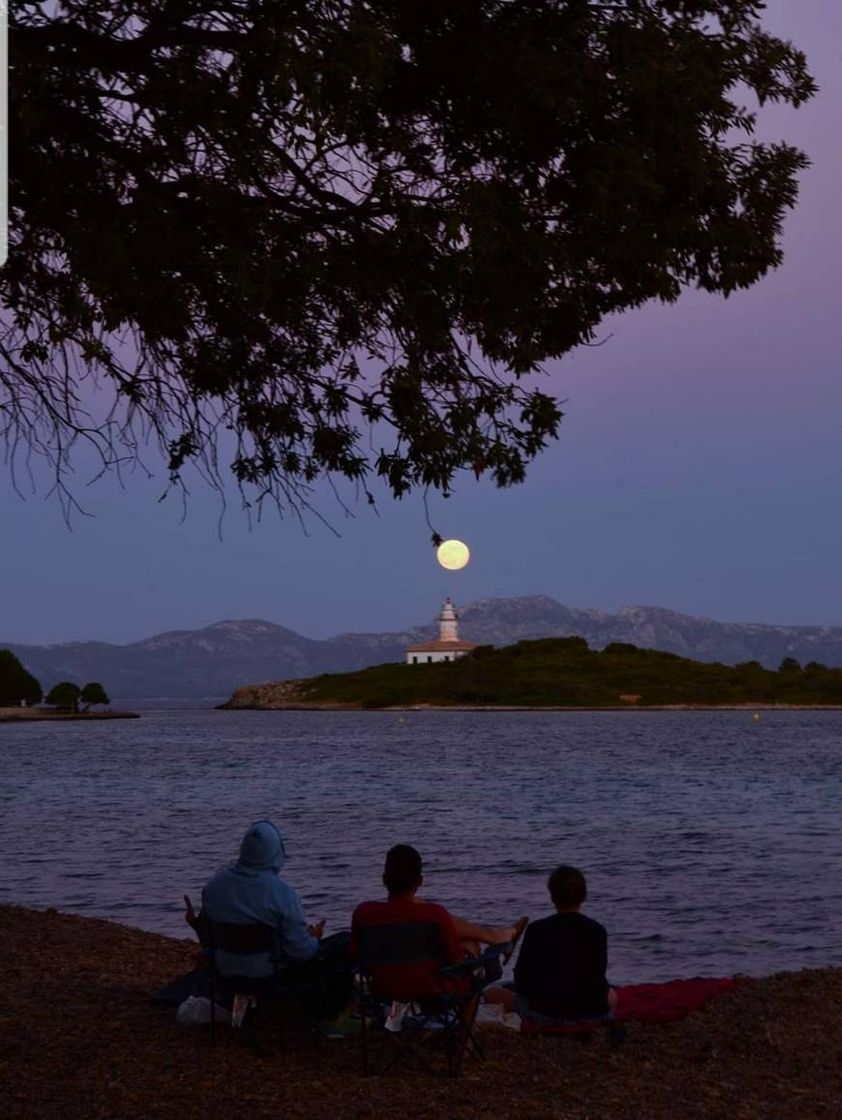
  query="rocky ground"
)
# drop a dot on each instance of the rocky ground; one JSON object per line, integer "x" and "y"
{"x": 11, "y": 715}
{"x": 293, "y": 696}
{"x": 79, "y": 1038}
{"x": 269, "y": 696}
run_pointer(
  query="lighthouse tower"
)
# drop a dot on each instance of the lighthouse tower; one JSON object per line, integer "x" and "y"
{"x": 448, "y": 623}
{"x": 447, "y": 647}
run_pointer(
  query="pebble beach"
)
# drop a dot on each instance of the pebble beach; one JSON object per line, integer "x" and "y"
{"x": 80, "y": 1038}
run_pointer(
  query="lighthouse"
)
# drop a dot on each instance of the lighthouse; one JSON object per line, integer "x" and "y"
{"x": 447, "y": 647}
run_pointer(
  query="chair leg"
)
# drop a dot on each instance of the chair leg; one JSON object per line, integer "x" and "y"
{"x": 364, "y": 1036}
{"x": 463, "y": 1036}
{"x": 250, "y": 1031}
{"x": 435, "y": 1036}
{"x": 456, "y": 1052}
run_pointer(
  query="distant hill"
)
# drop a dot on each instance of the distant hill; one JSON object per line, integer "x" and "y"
{"x": 213, "y": 661}
{"x": 555, "y": 672}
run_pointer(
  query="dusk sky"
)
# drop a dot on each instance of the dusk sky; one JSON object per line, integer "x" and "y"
{"x": 699, "y": 469}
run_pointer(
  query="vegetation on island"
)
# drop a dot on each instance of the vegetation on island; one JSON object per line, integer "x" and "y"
{"x": 64, "y": 695}
{"x": 69, "y": 696}
{"x": 92, "y": 694}
{"x": 341, "y": 237}
{"x": 18, "y": 688}
{"x": 566, "y": 672}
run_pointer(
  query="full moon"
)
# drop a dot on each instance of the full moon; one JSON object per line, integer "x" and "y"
{"x": 453, "y": 555}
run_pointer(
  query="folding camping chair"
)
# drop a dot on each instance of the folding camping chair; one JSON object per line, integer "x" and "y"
{"x": 412, "y": 1023}
{"x": 315, "y": 995}
{"x": 244, "y": 992}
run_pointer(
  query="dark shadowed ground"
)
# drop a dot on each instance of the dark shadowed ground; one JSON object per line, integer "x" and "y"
{"x": 79, "y": 1039}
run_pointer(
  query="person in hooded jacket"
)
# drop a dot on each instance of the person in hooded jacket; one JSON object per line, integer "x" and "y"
{"x": 251, "y": 890}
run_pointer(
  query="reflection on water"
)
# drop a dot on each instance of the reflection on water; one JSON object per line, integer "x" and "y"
{"x": 711, "y": 841}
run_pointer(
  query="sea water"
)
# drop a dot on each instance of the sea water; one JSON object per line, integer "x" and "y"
{"x": 711, "y": 841}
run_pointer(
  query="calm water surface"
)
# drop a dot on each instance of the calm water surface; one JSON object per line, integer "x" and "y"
{"x": 711, "y": 842}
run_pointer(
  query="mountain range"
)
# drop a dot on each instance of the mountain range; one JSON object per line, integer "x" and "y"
{"x": 211, "y": 662}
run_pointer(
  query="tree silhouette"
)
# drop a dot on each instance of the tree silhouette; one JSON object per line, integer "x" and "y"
{"x": 16, "y": 684}
{"x": 64, "y": 695}
{"x": 333, "y": 237}
{"x": 789, "y": 665}
{"x": 93, "y": 693}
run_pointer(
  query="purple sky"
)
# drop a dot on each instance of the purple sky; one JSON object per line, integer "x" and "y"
{"x": 700, "y": 469}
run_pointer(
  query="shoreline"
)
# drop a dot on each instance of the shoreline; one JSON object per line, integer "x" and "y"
{"x": 32, "y": 715}
{"x": 318, "y": 706}
{"x": 81, "y": 1039}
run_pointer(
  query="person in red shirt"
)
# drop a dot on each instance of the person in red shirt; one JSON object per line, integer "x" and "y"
{"x": 402, "y": 877}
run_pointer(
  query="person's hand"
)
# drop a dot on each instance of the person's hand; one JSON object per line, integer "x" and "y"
{"x": 317, "y": 929}
{"x": 190, "y": 915}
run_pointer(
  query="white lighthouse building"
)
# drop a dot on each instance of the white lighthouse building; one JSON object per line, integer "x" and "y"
{"x": 447, "y": 647}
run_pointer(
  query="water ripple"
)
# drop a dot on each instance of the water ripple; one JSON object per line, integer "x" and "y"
{"x": 711, "y": 842}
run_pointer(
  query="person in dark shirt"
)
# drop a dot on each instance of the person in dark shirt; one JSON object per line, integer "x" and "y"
{"x": 560, "y": 973}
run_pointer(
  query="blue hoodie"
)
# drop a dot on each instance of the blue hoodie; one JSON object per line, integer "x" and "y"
{"x": 251, "y": 891}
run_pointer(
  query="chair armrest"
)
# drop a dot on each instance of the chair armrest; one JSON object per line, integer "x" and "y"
{"x": 202, "y": 928}
{"x": 467, "y": 966}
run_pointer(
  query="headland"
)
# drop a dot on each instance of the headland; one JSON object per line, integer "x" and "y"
{"x": 555, "y": 674}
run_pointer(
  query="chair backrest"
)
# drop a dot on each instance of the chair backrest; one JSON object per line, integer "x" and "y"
{"x": 399, "y": 943}
{"x": 401, "y": 960}
{"x": 244, "y": 939}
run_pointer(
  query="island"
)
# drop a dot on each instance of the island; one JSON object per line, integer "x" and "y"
{"x": 21, "y": 697}
{"x": 556, "y": 673}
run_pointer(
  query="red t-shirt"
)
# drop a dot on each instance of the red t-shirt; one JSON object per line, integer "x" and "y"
{"x": 417, "y": 978}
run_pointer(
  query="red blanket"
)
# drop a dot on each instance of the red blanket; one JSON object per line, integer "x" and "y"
{"x": 649, "y": 1003}
{"x": 659, "y": 1003}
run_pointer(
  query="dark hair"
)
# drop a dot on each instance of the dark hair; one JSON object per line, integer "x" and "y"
{"x": 567, "y": 887}
{"x": 402, "y": 872}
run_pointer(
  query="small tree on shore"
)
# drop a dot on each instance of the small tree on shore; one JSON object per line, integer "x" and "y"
{"x": 64, "y": 695}
{"x": 16, "y": 684}
{"x": 93, "y": 693}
